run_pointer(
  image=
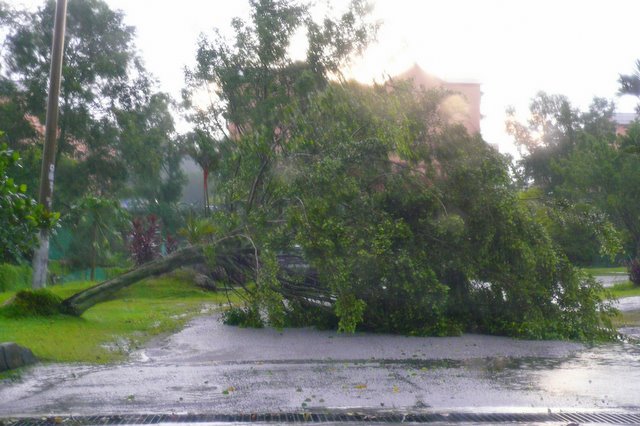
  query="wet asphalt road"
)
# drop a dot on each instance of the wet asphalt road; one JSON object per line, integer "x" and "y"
{"x": 611, "y": 280}
{"x": 212, "y": 368}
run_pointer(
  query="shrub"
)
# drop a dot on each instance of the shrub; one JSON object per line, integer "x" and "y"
{"x": 145, "y": 243}
{"x": 171, "y": 243}
{"x": 28, "y": 303}
{"x": 243, "y": 317}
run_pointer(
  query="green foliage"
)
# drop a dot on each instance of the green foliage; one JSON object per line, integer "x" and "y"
{"x": 583, "y": 232}
{"x": 298, "y": 315}
{"x": 248, "y": 316}
{"x": 205, "y": 151}
{"x": 630, "y": 83}
{"x": 14, "y": 277}
{"x": 572, "y": 159}
{"x": 603, "y": 174}
{"x": 20, "y": 216}
{"x": 29, "y": 303}
{"x": 198, "y": 230}
{"x": 350, "y": 310}
{"x": 117, "y": 136}
{"x": 115, "y": 271}
{"x": 421, "y": 236}
{"x": 148, "y": 146}
{"x": 267, "y": 292}
{"x": 554, "y": 129}
{"x": 256, "y": 83}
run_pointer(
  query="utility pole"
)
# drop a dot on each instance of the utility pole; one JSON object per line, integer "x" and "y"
{"x": 47, "y": 173}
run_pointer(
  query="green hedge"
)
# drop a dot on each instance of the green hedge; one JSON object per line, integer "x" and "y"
{"x": 14, "y": 277}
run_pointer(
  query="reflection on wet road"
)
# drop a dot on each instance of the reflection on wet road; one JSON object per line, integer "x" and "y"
{"x": 212, "y": 368}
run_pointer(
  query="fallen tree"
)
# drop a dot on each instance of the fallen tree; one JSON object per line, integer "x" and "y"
{"x": 80, "y": 302}
{"x": 233, "y": 265}
{"x": 405, "y": 222}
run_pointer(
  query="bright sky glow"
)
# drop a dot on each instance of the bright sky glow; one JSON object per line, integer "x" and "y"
{"x": 514, "y": 48}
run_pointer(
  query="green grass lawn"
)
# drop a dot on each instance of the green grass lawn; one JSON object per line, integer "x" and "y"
{"x": 103, "y": 333}
{"x": 616, "y": 270}
{"x": 625, "y": 290}
{"x": 627, "y": 319}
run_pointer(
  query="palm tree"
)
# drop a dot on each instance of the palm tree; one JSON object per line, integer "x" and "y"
{"x": 205, "y": 151}
{"x": 99, "y": 222}
{"x": 630, "y": 83}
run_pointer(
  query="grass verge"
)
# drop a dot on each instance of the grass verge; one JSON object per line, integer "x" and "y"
{"x": 616, "y": 270}
{"x": 106, "y": 332}
{"x": 627, "y": 319}
{"x": 626, "y": 289}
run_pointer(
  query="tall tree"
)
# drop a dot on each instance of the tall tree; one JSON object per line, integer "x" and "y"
{"x": 555, "y": 137}
{"x": 148, "y": 146}
{"x": 102, "y": 79}
{"x": 47, "y": 170}
{"x": 630, "y": 83}
{"x": 252, "y": 82}
{"x": 115, "y": 136}
{"x": 549, "y": 134}
{"x": 605, "y": 174}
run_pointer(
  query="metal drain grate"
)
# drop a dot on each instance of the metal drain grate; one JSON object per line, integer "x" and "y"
{"x": 307, "y": 417}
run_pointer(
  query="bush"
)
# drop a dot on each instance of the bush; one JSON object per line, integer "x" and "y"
{"x": 14, "y": 277}
{"x": 243, "y": 317}
{"x": 27, "y": 303}
{"x": 146, "y": 241}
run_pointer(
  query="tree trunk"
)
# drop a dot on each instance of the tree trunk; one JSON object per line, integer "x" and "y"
{"x": 47, "y": 172}
{"x": 80, "y": 302}
{"x": 205, "y": 174}
{"x": 94, "y": 237}
{"x": 41, "y": 260}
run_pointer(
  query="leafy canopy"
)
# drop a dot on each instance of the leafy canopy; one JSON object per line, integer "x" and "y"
{"x": 20, "y": 216}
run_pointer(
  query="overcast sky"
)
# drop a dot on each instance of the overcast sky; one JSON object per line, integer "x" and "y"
{"x": 514, "y": 48}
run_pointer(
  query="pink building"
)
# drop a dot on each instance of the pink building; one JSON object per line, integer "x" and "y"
{"x": 461, "y": 106}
